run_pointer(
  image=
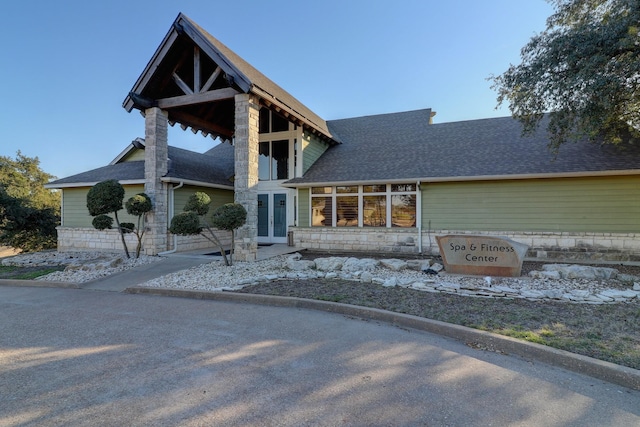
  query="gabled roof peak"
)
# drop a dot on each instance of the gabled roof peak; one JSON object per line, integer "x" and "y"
{"x": 191, "y": 68}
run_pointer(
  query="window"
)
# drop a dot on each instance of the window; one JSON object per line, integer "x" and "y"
{"x": 379, "y": 205}
{"x": 321, "y": 211}
{"x": 403, "y": 206}
{"x": 273, "y": 160}
{"x": 374, "y": 211}
{"x": 269, "y": 121}
{"x": 347, "y": 206}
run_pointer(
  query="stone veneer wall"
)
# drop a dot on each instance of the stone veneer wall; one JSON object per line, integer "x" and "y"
{"x": 542, "y": 245}
{"x": 246, "y": 143}
{"x": 83, "y": 239}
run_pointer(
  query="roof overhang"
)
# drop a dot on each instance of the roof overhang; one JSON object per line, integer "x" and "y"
{"x": 90, "y": 184}
{"x": 426, "y": 180}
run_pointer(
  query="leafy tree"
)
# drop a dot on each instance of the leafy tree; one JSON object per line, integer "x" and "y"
{"x": 22, "y": 178}
{"x": 29, "y": 213}
{"x": 191, "y": 222}
{"x": 25, "y": 227}
{"x": 138, "y": 205}
{"x": 103, "y": 198}
{"x": 584, "y": 70}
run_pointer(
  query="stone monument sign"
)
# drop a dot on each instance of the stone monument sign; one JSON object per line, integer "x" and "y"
{"x": 481, "y": 255}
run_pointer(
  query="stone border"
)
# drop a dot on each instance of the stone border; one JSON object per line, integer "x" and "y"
{"x": 606, "y": 371}
{"x": 362, "y": 270}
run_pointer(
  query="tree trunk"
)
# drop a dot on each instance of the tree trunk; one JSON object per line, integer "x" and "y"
{"x": 124, "y": 243}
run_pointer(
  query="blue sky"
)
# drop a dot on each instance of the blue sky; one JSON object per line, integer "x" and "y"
{"x": 67, "y": 65}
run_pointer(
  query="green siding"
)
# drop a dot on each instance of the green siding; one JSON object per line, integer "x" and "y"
{"x": 135, "y": 155}
{"x": 74, "y": 206}
{"x": 312, "y": 149}
{"x": 218, "y": 196}
{"x": 603, "y": 204}
{"x": 303, "y": 207}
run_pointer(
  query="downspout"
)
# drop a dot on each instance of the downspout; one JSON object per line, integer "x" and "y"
{"x": 419, "y": 217}
{"x": 171, "y": 213}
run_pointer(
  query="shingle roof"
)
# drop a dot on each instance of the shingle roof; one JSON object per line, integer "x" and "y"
{"x": 125, "y": 171}
{"x": 214, "y": 167}
{"x": 404, "y": 146}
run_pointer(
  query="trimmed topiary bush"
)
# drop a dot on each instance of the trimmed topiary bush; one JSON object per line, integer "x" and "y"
{"x": 227, "y": 217}
{"x": 138, "y": 205}
{"x": 106, "y": 197}
{"x": 102, "y": 222}
{"x": 185, "y": 224}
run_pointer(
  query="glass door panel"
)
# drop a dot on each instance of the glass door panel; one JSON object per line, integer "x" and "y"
{"x": 263, "y": 215}
{"x": 279, "y": 215}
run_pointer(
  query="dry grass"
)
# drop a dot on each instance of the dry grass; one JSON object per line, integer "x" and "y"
{"x": 606, "y": 332}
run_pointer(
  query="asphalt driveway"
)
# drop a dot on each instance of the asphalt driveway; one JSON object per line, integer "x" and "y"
{"x": 83, "y": 357}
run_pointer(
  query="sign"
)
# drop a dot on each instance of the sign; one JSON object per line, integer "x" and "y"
{"x": 481, "y": 255}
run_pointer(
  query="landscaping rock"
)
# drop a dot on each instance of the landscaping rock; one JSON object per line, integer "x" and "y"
{"x": 394, "y": 264}
{"x": 299, "y": 265}
{"x": 330, "y": 264}
{"x": 356, "y": 264}
{"x": 570, "y": 271}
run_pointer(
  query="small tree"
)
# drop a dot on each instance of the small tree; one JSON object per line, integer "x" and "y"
{"x": 138, "y": 205}
{"x": 229, "y": 217}
{"x": 191, "y": 222}
{"x": 103, "y": 198}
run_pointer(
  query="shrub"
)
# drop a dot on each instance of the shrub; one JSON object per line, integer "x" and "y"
{"x": 227, "y": 217}
{"x": 102, "y": 222}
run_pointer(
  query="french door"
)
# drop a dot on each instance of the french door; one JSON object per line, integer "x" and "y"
{"x": 272, "y": 217}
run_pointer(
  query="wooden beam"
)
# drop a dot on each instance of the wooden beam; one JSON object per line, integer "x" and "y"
{"x": 186, "y": 119}
{"x": 196, "y": 69}
{"x": 198, "y": 98}
{"x": 182, "y": 85}
{"x": 212, "y": 78}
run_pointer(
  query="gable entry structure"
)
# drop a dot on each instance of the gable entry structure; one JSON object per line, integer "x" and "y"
{"x": 197, "y": 82}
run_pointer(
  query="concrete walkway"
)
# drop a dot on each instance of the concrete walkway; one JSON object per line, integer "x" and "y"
{"x": 170, "y": 264}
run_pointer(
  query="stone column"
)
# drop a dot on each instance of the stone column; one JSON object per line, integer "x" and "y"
{"x": 156, "y": 163}
{"x": 246, "y": 174}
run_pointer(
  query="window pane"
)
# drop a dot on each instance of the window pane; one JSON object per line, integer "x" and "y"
{"x": 278, "y": 123}
{"x": 321, "y": 190}
{"x": 264, "y": 121}
{"x": 403, "y": 210}
{"x": 263, "y": 215}
{"x": 403, "y": 187}
{"x": 263, "y": 162}
{"x": 350, "y": 189}
{"x": 280, "y": 159}
{"x": 295, "y": 158}
{"x": 374, "y": 188}
{"x": 347, "y": 211}
{"x": 321, "y": 210}
{"x": 375, "y": 211}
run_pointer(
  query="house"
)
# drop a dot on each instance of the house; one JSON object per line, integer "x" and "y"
{"x": 389, "y": 182}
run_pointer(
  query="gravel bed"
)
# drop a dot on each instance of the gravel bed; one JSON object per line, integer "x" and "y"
{"x": 80, "y": 266}
{"x": 215, "y": 276}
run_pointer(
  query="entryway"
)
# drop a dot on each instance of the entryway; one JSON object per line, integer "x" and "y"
{"x": 272, "y": 217}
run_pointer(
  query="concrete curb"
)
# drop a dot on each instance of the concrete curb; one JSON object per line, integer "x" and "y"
{"x": 606, "y": 371}
{"x": 38, "y": 284}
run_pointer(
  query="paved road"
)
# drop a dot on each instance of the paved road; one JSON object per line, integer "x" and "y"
{"x": 78, "y": 357}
